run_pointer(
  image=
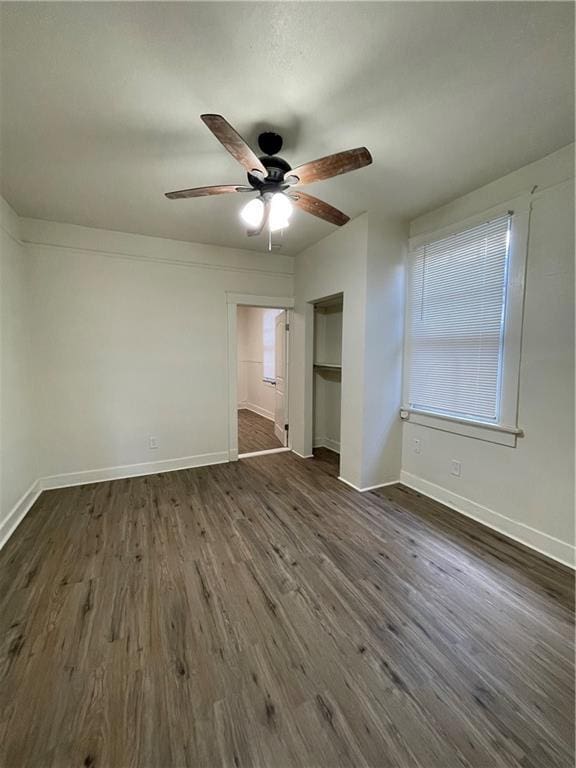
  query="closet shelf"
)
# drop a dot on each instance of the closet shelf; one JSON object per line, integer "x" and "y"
{"x": 329, "y": 366}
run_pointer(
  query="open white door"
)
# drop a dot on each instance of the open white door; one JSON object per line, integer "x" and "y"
{"x": 281, "y": 395}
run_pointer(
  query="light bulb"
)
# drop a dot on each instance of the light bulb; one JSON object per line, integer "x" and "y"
{"x": 252, "y": 212}
{"x": 281, "y": 207}
{"x": 280, "y": 211}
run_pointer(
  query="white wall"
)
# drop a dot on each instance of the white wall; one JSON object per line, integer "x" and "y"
{"x": 253, "y": 392}
{"x": 18, "y": 470}
{"x": 363, "y": 261}
{"x": 337, "y": 264}
{"x": 130, "y": 336}
{"x": 527, "y": 491}
{"x": 384, "y": 351}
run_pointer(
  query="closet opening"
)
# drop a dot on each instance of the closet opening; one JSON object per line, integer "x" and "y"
{"x": 327, "y": 397}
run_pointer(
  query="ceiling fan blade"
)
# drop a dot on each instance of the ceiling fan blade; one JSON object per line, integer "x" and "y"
{"x": 263, "y": 223}
{"x": 235, "y": 144}
{"x": 332, "y": 165}
{"x": 319, "y": 208}
{"x": 221, "y": 189}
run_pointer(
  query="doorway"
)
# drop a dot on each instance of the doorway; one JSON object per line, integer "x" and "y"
{"x": 258, "y": 375}
{"x": 261, "y": 337}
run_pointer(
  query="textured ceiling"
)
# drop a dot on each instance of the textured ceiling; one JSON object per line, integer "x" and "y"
{"x": 100, "y": 104}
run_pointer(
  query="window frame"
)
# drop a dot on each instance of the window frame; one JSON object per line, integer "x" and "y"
{"x": 505, "y": 431}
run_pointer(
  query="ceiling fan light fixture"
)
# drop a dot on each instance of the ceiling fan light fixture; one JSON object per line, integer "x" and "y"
{"x": 272, "y": 176}
{"x": 252, "y": 213}
{"x": 280, "y": 211}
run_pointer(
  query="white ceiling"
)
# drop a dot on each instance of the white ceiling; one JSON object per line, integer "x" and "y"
{"x": 101, "y": 104}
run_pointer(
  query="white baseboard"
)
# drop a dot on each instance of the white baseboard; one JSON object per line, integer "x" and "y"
{"x": 368, "y": 487}
{"x": 327, "y": 442}
{"x": 525, "y": 534}
{"x": 257, "y": 409}
{"x": 530, "y": 537}
{"x": 302, "y": 455}
{"x": 262, "y": 453}
{"x": 132, "y": 470}
{"x": 18, "y": 512}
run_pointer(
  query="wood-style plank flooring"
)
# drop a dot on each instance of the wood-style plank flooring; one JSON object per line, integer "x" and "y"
{"x": 255, "y": 433}
{"x": 262, "y": 613}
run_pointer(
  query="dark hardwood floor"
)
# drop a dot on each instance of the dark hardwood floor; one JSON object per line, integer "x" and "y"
{"x": 262, "y": 613}
{"x": 255, "y": 433}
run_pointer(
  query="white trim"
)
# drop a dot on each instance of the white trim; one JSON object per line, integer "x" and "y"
{"x": 491, "y": 433}
{"x": 69, "y": 479}
{"x": 525, "y": 534}
{"x": 514, "y": 314}
{"x": 516, "y": 204}
{"x": 269, "y": 302}
{"x": 157, "y": 259}
{"x": 232, "y": 341}
{"x": 503, "y": 433}
{"x": 131, "y": 470}
{"x": 368, "y": 487}
{"x": 256, "y": 409}
{"x": 19, "y": 511}
{"x": 327, "y": 442}
{"x": 302, "y": 455}
{"x": 233, "y": 300}
{"x": 125, "y": 245}
{"x": 546, "y": 173}
{"x": 279, "y": 433}
{"x": 262, "y": 453}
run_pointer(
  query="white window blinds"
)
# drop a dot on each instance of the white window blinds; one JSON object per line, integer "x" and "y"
{"x": 456, "y": 303}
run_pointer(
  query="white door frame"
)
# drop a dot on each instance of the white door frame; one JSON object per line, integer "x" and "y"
{"x": 234, "y": 300}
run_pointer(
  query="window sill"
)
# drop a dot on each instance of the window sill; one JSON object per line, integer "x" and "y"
{"x": 479, "y": 430}
{"x": 270, "y": 382}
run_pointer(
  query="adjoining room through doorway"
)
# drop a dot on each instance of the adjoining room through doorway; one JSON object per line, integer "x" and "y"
{"x": 262, "y": 385}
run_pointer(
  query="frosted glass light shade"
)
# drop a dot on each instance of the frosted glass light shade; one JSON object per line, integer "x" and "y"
{"x": 252, "y": 212}
{"x": 280, "y": 211}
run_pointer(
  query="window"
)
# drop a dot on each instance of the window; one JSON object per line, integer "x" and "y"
{"x": 457, "y": 315}
{"x": 268, "y": 344}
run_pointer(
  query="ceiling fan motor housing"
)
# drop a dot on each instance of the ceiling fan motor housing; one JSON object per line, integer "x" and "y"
{"x": 270, "y": 143}
{"x": 277, "y": 168}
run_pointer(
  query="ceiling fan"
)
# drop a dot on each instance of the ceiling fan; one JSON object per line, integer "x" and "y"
{"x": 275, "y": 181}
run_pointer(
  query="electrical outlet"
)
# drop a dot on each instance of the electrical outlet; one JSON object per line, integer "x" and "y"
{"x": 455, "y": 468}
{"x": 152, "y": 442}
{"x": 417, "y": 446}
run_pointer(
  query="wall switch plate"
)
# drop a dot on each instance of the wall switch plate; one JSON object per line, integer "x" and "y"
{"x": 153, "y": 442}
{"x": 417, "y": 445}
{"x": 455, "y": 468}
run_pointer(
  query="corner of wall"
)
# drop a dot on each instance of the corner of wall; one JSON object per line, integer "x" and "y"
{"x": 9, "y": 219}
{"x": 18, "y": 472}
